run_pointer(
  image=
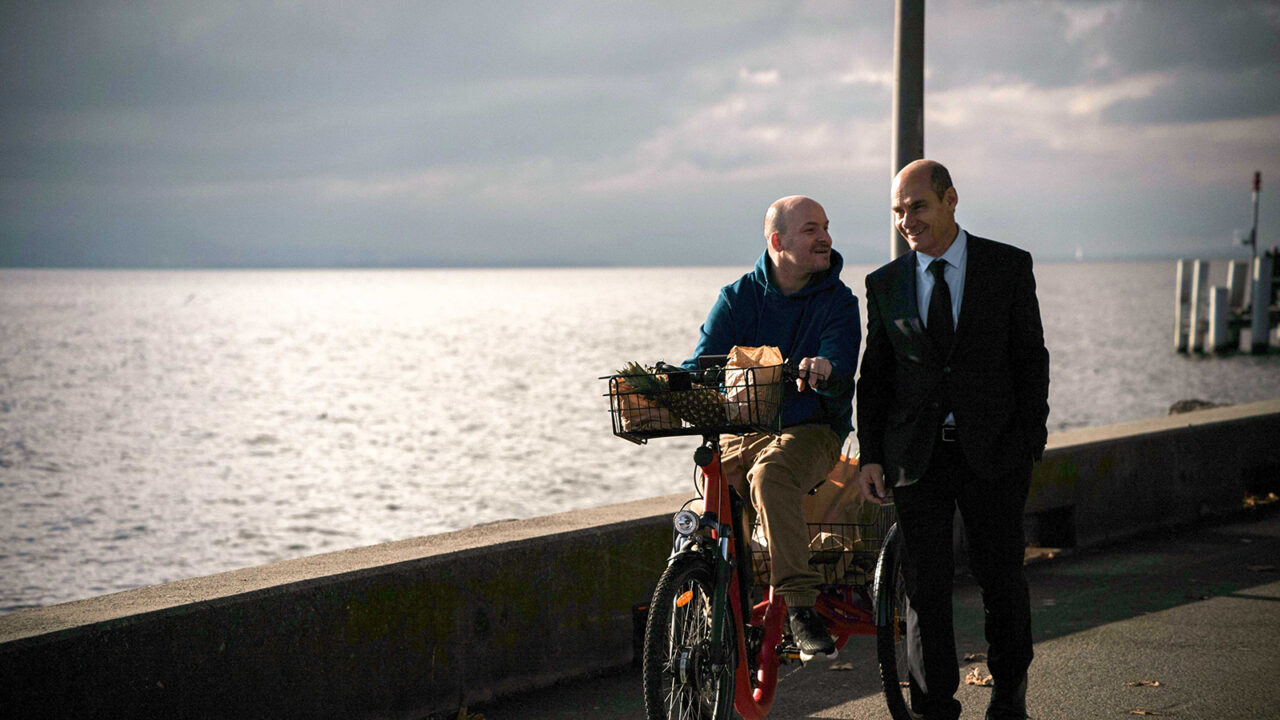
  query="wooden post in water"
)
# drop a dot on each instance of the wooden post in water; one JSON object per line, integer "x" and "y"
{"x": 1181, "y": 305}
{"x": 1188, "y": 313}
{"x": 1253, "y": 233}
{"x": 1220, "y": 320}
{"x": 1237, "y": 283}
{"x": 1199, "y": 291}
{"x": 1260, "y": 325}
{"x": 1237, "y": 280}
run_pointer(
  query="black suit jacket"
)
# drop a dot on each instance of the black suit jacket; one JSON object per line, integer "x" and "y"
{"x": 995, "y": 379}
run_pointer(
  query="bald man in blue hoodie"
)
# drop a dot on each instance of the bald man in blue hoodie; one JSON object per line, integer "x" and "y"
{"x": 793, "y": 300}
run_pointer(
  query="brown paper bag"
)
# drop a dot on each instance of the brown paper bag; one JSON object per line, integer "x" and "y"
{"x": 837, "y": 500}
{"x": 751, "y": 383}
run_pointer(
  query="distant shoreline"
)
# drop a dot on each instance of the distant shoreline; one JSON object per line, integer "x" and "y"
{"x": 1064, "y": 258}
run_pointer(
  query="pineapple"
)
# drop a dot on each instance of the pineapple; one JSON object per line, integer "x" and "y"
{"x": 642, "y": 381}
{"x": 697, "y": 406}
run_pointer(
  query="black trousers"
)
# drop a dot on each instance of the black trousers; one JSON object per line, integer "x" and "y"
{"x": 991, "y": 509}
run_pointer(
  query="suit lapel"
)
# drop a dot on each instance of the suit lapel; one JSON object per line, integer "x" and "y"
{"x": 906, "y": 309}
{"x": 976, "y": 280}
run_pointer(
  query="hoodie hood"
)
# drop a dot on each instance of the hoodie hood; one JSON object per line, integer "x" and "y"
{"x": 817, "y": 282}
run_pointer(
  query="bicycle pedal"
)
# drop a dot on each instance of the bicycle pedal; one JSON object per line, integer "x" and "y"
{"x": 787, "y": 654}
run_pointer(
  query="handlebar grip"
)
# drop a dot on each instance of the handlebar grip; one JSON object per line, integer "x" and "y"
{"x": 682, "y": 378}
{"x": 791, "y": 371}
{"x": 678, "y": 378}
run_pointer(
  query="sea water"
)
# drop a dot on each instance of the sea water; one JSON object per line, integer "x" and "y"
{"x": 162, "y": 425}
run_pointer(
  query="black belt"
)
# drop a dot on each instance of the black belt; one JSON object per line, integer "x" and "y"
{"x": 948, "y": 434}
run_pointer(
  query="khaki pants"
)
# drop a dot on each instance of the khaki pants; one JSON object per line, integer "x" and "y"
{"x": 781, "y": 470}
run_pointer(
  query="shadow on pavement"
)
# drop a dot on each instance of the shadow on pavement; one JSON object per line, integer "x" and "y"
{"x": 1070, "y": 593}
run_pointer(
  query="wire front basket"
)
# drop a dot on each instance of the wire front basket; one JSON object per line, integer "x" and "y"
{"x": 738, "y": 401}
{"x": 842, "y": 553}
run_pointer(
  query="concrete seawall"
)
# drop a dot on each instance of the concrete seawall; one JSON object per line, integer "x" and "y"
{"x": 421, "y": 627}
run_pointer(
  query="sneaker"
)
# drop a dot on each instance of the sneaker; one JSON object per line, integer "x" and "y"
{"x": 810, "y": 633}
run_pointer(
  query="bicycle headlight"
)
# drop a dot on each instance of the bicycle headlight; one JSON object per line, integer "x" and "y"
{"x": 687, "y": 522}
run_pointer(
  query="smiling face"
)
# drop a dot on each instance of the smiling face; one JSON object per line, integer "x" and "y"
{"x": 803, "y": 246}
{"x": 926, "y": 220}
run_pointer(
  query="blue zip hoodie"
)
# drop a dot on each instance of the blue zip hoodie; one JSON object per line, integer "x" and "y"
{"x": 820, "y": 320}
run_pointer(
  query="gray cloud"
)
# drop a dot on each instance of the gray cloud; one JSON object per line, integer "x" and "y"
{"x": 182, "y": 133}
{"x": 1194, "y": 96}
{"x": 1160, "y": 35}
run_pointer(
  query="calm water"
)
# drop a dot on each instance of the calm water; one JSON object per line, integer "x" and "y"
{"x": 162, "y": 425}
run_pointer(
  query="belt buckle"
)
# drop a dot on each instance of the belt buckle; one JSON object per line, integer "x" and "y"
{"x": 948, "y": 433}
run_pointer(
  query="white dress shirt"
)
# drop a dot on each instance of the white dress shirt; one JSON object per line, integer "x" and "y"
{"x": 956, "y": 257}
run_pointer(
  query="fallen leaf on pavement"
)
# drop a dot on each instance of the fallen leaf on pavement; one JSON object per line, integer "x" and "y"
{"x": 1251, "y": 501}
{"x": 975, "y": 657}
{"x": 1147, "y": 683}
{"x": 464, "y": 715}
{"x": 977, "y": 677}
{"x": 1140, "y": 711}
{"x": 841, "y": 666}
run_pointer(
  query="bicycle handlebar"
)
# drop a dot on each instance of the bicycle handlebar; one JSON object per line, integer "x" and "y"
{"x": 711, "y": 372}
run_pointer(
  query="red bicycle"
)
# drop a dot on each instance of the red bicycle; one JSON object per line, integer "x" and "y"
{"x": 715, "y": 638}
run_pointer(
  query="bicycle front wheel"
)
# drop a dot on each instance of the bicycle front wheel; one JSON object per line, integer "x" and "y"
{"x": 686, "y": 677}
{"x": 891, "y": 606}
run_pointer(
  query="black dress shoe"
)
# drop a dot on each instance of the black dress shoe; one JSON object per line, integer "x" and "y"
{"x": 1008, "y": 701}
{"x": 950, "y": 710}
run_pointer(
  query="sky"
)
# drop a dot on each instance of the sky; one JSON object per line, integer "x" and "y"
{"x": 604, "y": 133}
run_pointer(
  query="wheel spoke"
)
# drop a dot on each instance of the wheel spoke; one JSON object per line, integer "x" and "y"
{"x": 678, "y": 678}
{"x": 891, "y": 638}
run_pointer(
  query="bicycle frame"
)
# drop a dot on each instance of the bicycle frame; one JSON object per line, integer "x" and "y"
{"x": 724, "y": 524}
{"x": 760, "y": 639}
{"x": 845, "y": 618}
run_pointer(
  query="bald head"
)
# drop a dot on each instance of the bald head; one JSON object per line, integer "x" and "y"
{"x": 776, "y": 218}
{"x": 938, "y": 177}
{"x": 797, "y": 241}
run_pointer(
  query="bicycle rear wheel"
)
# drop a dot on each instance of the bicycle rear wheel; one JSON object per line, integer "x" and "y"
{"x": 891, "y": 607}
{"x": 685, "y": 676}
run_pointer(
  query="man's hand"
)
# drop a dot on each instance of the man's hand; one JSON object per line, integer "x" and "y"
{"x": 814, "y": 372}
{"x": 871, "y": 483}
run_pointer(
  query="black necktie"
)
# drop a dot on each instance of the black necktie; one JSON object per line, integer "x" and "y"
{"x": 940, "y": 324}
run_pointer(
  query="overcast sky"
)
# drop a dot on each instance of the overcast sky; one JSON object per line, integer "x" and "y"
{"x": 564, "y": 132}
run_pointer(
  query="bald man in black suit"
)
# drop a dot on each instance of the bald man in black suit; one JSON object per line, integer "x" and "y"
{"x": 952, "y": 404}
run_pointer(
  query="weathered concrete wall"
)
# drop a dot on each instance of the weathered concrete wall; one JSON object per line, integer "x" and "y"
{"x": 423, "y": 626}
{"x": 402, "y": 630}
{"x": 1101, "y": 484}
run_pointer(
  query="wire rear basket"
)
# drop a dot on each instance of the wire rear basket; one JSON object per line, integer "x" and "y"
{"x": 842, "y": 553}
{"x": 738, "y": 401}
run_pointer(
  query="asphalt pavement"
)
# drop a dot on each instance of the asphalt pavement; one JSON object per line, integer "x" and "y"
{"x": 1182, "y": 624}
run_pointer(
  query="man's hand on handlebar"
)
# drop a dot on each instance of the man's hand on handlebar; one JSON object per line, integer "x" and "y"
{"x": 814, "y": 372}
{"x": 871, "y": 483}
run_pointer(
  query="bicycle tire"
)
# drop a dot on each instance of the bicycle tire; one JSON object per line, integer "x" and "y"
{"x": 684, "y": 677}
{"x": 890, "y": 613}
